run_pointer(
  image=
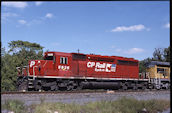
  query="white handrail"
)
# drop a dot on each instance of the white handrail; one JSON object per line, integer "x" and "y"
{"x": 44, "y": 63}
{"x": 34, "y": 71}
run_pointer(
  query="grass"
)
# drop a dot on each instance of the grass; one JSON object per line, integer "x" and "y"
{"x": 14, "y": 105}
{"x": 122, "y": 105}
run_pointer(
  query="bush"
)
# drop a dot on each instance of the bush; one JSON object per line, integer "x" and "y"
{"x": 121, "y": 105}
{"x": 14, "y": 105}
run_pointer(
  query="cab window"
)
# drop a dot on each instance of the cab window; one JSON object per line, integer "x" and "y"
{"x": 49, "y": 56}
{"x": 63, "y": 60}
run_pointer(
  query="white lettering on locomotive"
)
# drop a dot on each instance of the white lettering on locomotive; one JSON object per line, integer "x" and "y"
{"x": 108, "y": 67}
{"x": 32, "y": 63}
{"x": 113, "y": 67}
{"x": 60, "y": 67}
{"x": 102, "y": 67}
{"x": 90, "y": 64}
{"x": 98, "y": 65}
{"x": 99, "y": 69}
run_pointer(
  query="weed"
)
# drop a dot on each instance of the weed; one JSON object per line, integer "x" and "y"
{"x": 121, "y": 105}
{"x": 14, "y": 105}
{"x": 42, "y": 100}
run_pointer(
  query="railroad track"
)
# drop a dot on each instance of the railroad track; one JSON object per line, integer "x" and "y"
{"x": 82, "y": 91}
{"x": 47, "y": 92}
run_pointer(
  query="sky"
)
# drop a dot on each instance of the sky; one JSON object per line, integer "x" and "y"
{"x": 113, "y": 28}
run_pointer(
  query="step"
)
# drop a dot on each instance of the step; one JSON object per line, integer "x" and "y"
{"x": 30, "y": 79}
{"x": 30, "y": 86}
{"x": 30, "y": 83}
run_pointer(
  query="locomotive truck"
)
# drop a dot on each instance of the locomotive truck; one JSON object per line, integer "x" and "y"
{"x": 76, "y": 71}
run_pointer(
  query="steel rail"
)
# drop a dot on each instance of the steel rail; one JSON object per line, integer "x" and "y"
{"x": 82, "y": 91}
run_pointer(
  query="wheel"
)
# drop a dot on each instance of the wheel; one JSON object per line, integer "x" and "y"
{"x": 124, "y": 87}
{"x": 158, "y": 87}
{"x": 150, "y": 86}
{"x": 166, "y": 86}
{"x": 143, "y": 87}
{"x": 38, "y": 87}
{"x": 79, "y": 86}
{"x": 54, "y": 88}
{"x": 75, "y": 86}
{"x": 70, "y": 86}
{"x": 135, "y": 87}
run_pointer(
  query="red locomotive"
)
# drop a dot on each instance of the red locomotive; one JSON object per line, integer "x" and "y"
{"x": 72, "y": 71}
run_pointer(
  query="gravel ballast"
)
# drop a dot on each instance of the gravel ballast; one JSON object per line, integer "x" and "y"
{"x": 81, "y": 98}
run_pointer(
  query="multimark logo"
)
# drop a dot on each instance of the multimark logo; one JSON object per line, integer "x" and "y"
{"x": 102, "y": 67}
{"x": 113, "y": 67}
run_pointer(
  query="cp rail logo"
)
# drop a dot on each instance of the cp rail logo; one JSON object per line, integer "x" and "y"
{"x": 104, "y": 67}
{"x": 32, "y": 63}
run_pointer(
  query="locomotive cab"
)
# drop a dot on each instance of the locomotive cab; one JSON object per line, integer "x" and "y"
{"x": 50, "y": 64}
{"x": 39, "y": 67}
{"x": 58, "y": 64}
{"x": 53, "y": 64}
{"x": 50, "y": 57}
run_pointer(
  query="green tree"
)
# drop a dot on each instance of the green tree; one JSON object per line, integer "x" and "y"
{"x": 25, "y": 51}
{"x": 158, "y": 54}
{"x": 18, "y": 45}
{"x": 167, "y": 54}
{"x": 18, "y": 56}
{"x": 3, "y": 51}
{"x": 8, "y": 72}
{"x": 162, "y": 54}
{"x": 143, "y": 64}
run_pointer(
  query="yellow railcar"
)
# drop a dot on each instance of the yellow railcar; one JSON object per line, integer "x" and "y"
{"x": 159, "y": 74}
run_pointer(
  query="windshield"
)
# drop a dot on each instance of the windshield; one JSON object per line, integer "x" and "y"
{"x": 48, "y": 58}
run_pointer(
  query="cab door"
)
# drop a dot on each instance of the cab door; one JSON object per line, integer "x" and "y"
{"x": 50, "y": 65}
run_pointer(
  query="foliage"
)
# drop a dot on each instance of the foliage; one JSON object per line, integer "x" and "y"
{"x": 14, "y": 105}
{"x": 8, "y": 72}
{"x": 19, "y": 45}
{"x": 143, "y": 64}
{"x": 121, "y": 105}
{"x": 167, "y": 54}
{"x": 160, "y": 54}
{"x": 3, "y": 51}
{"x": 18, "y": 56}
{"x": 25, "y": 51}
